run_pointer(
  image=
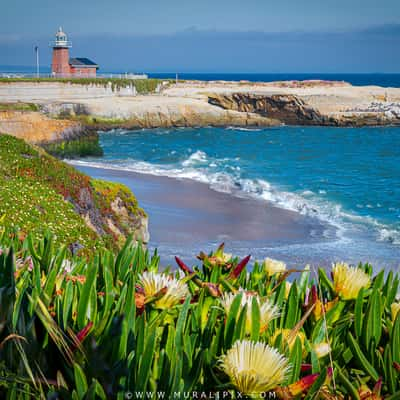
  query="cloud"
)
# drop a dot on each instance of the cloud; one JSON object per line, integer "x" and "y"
{"x": 369, "y": 50}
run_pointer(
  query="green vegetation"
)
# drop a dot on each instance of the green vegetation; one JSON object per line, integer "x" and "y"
{"x": 117, "y": 327}
{"x": 143, "y": 86}
{"x": 40, "y": 193}
{"x": 33, "y": 187}
{"x": 19, "y": 107}
{"x": 96, "y": 121}
{"x": 83, "y": 146}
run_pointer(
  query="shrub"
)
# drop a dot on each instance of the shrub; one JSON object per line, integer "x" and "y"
{"x": 118, "y": 325}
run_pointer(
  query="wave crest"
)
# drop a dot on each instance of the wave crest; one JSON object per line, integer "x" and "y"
{"x": 220, "y": 175}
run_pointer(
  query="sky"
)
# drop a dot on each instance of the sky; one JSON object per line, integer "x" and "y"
{"x": 209, "y": 35}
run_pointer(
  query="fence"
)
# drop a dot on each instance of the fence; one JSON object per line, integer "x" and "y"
{"x": 47, "y": 75}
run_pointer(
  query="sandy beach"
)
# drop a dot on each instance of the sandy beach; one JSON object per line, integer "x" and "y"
{"x": 186, "y": 217}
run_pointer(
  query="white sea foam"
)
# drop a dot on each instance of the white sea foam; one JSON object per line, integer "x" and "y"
{"x": 237, "y": 128}
{"x": 196, "y": 158}
{"x": 197, "y": 167}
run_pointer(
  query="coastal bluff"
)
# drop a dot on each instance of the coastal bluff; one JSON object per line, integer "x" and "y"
{"x": 43, "y": 193}
{"x": 67, "y": 110}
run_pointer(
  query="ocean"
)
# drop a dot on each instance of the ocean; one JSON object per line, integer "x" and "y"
{"x": 347, "y": 178}
{"x": 379, "y": 79}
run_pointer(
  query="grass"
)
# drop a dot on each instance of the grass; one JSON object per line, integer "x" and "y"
{"x": 40, "y": 193}
{"x": 95, "y": 121}
{"x": 19, "y": 107}
{"x": 143, "y": 86}
{"x": 83, "y": 146}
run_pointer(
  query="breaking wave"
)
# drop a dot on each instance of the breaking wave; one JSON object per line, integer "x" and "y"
{"x": 223, "y": 175}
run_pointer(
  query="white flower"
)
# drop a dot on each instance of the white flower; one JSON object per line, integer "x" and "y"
{"x": 273, "y": 267}
{"x": 154, "y": 283}
{"x": 67, "y": 266}
{"x": 254, "y": 367}
{"x": 322, "y": 349}
{"x": 268, "y": 311}
{"x": 348, "y": 281}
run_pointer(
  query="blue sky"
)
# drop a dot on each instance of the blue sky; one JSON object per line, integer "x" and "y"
{"x": 217, "y": 36}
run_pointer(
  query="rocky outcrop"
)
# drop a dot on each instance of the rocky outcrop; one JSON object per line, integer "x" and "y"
{"x": 37, "y": 128}
{"x": 292, "y": 110}
{"x": 110, "y": 209}
{"x": 173, "y": 114}
{"x": 288, "y": 109}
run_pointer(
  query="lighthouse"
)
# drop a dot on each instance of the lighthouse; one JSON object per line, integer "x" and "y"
{"x": 60, "y": 65}
{"x": 63, "y": 67}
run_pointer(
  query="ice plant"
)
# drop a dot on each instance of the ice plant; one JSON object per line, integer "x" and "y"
{"x": 348, "y": 281}
{"x": 301, "y": 386}
{"x": 395, "y": 309}
{"x": 288, "y": 286}
{"x": 322, "y": 349}
{"x": 268, "y": 311}
{"x": 289, "y": 338}
{"x": 172, "y": 290}
{"x": 153, "y": 283}
{"x": 183, "y": 266}
{"x": 82, "y": 334}
{"x": 254, "y": 367}
{"x": 273, "y": 267}
{"x": 67, "y": 266}
{"x": 240, "y": 267}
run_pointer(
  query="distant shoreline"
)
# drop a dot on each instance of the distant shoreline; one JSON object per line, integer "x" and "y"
{"x": 384, "y": 79}
{"x": 102, "y": 104}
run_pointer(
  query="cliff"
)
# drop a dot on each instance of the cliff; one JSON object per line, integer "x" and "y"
{"x": 64, "y": 111}
{"x": 38, "y": 127}
{"x": 293, "y": 110}
{"x": 39, "y": 193}
{"x": 288, "y": 109}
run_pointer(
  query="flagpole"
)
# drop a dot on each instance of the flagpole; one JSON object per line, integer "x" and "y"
{"x": 37, "y": 62}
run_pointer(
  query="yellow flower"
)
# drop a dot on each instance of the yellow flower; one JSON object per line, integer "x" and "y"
{"x": 348, "y": 281}
{"x": 320, "y": 308}
{"x": 268, "y": 311}
{"x": 395, "y": 308}
{"x": 289, "y": 338}
{"x": 226, "y": 257}
{"x": 322, "y": 349}
{"x": 254, "y": 367}
{"x": 273, "y": 267}
{"x": 174, "y": 289}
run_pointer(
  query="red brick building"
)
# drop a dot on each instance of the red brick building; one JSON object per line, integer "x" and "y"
{"x": 64, "y": 67}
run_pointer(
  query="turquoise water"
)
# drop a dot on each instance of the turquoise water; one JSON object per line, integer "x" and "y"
{"x": 349, "y": 178}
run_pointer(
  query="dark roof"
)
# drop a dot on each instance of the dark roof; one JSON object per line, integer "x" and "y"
{"x": 82, "y": 62}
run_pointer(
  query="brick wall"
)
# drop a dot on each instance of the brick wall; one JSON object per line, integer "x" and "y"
{"x": 60, "y": 63}
{"x": 83, "y": 72}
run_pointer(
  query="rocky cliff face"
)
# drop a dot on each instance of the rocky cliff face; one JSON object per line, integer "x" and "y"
{"x": 288, "y": 109}
{"x": 292, "y": 110}
{"x": 37, "y": 128}
{"x": 191, "y": 113}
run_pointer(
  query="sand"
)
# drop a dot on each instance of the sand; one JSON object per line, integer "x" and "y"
{"x": 186, "y": 216}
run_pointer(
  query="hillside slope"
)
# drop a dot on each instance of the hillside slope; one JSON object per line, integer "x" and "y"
{"x": 39, "y": 193}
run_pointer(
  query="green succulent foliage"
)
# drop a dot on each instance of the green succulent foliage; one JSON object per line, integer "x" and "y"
{"x": 82, "y": 328}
